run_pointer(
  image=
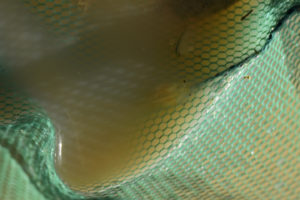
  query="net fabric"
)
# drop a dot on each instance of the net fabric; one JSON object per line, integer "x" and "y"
{"x": 248, "y": 138}
{"x": 14, "y": 183}
{"x": 236, "y": 137}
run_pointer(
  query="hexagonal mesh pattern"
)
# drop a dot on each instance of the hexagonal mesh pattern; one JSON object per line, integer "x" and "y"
{"x": 160, "y": 99}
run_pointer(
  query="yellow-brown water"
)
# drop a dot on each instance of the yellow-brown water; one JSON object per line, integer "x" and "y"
{"x": 99, "y": 104}
{"x": 100, "y": 90}
{"x": 121, "y": 75}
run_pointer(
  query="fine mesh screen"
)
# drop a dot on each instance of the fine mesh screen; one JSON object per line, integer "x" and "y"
{"x": 149, "y": 99}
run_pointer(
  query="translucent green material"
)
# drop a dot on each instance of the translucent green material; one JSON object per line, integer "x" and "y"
{"x": 14, "y": 183}
{"x": 236, "y": 138}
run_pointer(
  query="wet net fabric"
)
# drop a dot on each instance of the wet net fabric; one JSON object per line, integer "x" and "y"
{"x": 234, "y": 136}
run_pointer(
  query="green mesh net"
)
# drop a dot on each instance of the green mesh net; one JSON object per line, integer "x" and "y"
{"x": 153, "y": 99}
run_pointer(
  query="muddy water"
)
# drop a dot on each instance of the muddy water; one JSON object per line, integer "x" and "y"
{"x": 100, "y": 90}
